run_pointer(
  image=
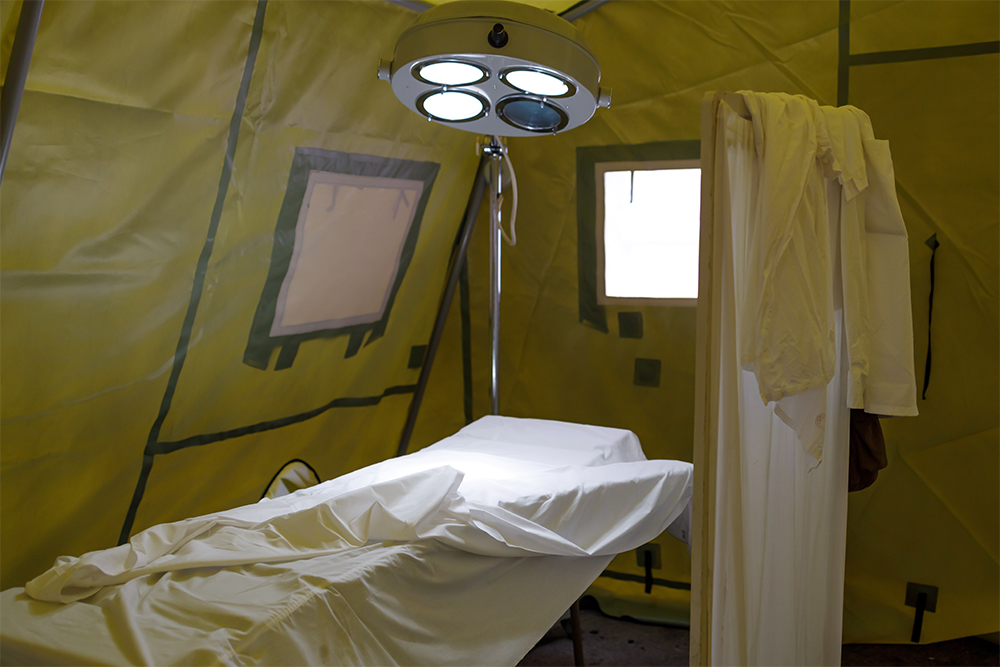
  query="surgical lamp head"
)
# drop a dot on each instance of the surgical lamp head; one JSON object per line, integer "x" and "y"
{"x": 496, "y": 68}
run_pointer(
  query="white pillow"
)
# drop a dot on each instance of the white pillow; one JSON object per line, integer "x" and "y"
{"x": 550, "y": 443}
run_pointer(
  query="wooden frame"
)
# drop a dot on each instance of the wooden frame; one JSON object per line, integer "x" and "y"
{"x": 600, "y": 168}
{"x": 706, "y": 404}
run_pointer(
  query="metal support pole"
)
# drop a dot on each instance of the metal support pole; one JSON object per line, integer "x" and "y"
{"x": 495, "y": 151}
{"x": 17, "y": 73}
{"x": 581, "y": 9}
{"x": 574, "y": 615}
{"x": 457, "y": 260}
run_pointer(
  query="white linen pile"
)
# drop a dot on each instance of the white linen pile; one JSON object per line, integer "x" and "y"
{"x": 447, "y": 519}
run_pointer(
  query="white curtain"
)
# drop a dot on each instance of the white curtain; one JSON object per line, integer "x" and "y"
{"x": 790, "y": 202}
{"x": 782, "y": 516}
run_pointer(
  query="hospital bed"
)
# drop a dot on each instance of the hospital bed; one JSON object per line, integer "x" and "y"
{"x": 465, "y": 552}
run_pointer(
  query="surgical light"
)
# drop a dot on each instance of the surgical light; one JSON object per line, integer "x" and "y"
{"x": 451, "y": 73}
{"x": 536, "y": 82}
{"x": 530, "y": 114}
{"x": 496, "y": 68}
{"x": 452, "y": 106}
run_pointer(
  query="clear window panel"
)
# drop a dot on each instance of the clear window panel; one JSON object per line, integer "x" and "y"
{"x": 651, "y": 227}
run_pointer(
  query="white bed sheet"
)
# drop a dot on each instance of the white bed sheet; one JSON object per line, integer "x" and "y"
{"x": 420, "y": 603}
{"x": 463, "y": 553}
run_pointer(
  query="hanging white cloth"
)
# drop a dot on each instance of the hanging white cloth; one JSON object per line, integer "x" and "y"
{"x": 814, "y": 295}
{"x": 797, "y": 238}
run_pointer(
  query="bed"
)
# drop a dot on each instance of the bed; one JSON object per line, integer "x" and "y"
{"x": 465, "y": 552}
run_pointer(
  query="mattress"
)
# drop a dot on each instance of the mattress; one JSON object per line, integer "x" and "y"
{"x": 463, "y": 553}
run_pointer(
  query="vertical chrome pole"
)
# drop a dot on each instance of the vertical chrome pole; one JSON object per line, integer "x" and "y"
{"x": 495, "y": 150}
{"x": 458, "y": 260}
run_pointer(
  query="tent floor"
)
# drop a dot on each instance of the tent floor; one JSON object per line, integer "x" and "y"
{"x": 621, "y": 642}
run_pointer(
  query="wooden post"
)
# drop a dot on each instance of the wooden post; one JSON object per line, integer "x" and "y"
{"x": 706, "y": 405}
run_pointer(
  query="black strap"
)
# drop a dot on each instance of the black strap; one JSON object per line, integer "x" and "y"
{"x": 933, "y": 244}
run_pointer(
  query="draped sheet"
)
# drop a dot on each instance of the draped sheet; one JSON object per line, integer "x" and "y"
{"x": 462, "y": 553}
{"x": 814, "y": 319}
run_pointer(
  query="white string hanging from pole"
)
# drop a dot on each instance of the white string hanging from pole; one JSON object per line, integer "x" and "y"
{"x": 512, "y": 239}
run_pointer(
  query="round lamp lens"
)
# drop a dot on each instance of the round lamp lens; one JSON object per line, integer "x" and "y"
{"x": 452, "y": 74}
{"x": 532, "y": 115}
{"x": 453, "y": 106}
{"x": 537, "y": 83}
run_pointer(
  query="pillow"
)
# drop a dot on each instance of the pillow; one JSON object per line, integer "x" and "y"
{"x": 545, "y": 442}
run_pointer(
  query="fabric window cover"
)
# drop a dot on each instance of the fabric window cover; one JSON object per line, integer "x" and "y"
{"x": 343, "y": 241}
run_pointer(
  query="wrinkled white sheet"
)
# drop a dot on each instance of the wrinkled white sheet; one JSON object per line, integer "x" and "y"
{"x": 527, "y": 511}
{"x": 416, "y": 603}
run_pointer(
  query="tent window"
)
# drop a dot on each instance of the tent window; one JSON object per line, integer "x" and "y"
{"x": 647, "y": 226}
{"x": 348, "y": 241}
{"x": 592, "y": 163}
{"x": 344, "y": 239}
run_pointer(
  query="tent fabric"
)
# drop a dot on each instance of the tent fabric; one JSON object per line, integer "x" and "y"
{"x": 114, "y": 172}
{"x": 501, "y": 491}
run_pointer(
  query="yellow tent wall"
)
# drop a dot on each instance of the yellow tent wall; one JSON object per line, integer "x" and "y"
{"x": 110, "y": 194}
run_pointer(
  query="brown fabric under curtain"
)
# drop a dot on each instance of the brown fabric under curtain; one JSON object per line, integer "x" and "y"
{"x": 867, "y": 450}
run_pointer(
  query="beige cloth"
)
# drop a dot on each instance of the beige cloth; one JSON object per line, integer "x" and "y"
{"x": 799, "y": 229}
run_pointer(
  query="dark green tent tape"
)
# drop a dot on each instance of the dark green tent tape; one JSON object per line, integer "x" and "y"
{"x": 354, "y": 344}
{"x": 350, "y": 402}
{"x": 930, "y": 53}
{"x": 417, "y": 354}
{"x": 639, "y": 579}
{"x": 843, "y": 52}
{"x": 933, "y": 244}
{"x": 647, "y": 373}
{"x": 201, "y": 270}
{"x": 140, "y": 488}
{"x": 630, "y": 325}
{"x": 287, "y": 356}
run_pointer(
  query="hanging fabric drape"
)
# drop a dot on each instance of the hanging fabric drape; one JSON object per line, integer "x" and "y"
{"x": 810, "y": 317}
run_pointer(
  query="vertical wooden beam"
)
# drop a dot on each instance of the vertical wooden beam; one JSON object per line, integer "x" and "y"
{"x": 702, "y": 520}
{"x": 706, "y": 406}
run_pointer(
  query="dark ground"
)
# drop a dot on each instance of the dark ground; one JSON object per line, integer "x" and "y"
{"x": 625, "y": 643}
